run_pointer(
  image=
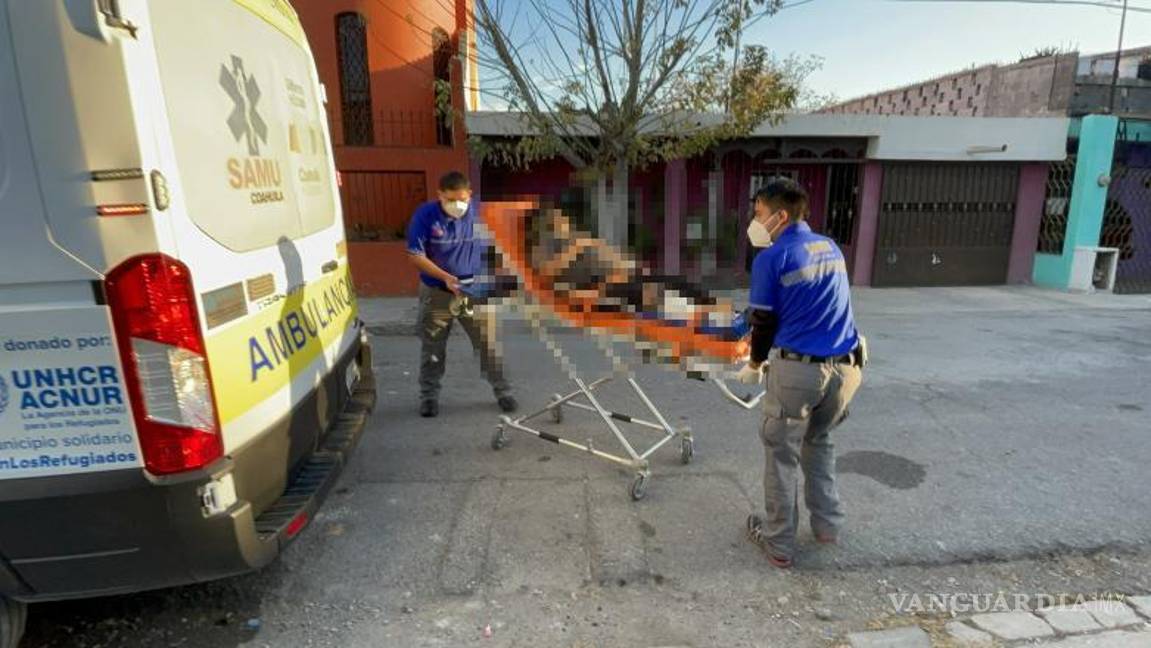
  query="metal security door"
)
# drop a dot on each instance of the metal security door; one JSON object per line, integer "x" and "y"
{"x": 378, "y": 205}
{"x": 1127, "y": 226}
{"x": 945, "y": 224}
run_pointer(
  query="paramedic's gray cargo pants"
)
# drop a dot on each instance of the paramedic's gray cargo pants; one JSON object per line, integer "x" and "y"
{"x": 437, "y": 310}
{"x": 802, "y": 404}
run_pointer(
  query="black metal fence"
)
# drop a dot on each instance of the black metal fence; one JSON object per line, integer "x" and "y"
{"x": 1056, "y": 206}
{"x": 396, "y": 129}
{"x": 378, "y": 205}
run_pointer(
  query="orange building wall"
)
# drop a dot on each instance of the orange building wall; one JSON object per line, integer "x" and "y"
{"x": 400, "y": 60}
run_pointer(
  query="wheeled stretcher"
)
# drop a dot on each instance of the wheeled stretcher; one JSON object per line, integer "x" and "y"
{"x": 702, "y": 349}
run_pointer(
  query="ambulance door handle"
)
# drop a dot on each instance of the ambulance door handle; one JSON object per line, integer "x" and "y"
{"x": 330, "y": 266}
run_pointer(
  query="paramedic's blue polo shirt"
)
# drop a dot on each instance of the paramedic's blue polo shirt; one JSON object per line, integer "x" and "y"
{"x": 802, "y": 278}
{"x": 450, "y": 243}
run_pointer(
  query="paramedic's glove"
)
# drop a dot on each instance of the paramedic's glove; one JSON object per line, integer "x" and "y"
{"x": 750, "y": 374}
{"x": 453, "y": 285}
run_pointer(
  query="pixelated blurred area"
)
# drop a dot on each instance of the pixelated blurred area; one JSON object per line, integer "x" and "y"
{"x": 540, "y": 256}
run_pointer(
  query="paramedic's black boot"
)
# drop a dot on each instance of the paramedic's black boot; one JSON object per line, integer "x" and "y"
{"x": 429, "y": 408}
{"x": 507, "y": 404}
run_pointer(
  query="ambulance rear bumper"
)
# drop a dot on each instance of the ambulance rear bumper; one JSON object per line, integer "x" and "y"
{"x": 116, "y": 532}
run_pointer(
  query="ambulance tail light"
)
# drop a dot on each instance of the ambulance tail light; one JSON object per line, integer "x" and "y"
{"x": 166, "y": 369}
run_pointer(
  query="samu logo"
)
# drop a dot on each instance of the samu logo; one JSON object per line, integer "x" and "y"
{"x": 245, "y": 121}
{"x": 3, "y": 395}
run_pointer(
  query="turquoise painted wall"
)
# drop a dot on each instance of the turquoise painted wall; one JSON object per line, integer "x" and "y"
{"x": 1085, "y": 216}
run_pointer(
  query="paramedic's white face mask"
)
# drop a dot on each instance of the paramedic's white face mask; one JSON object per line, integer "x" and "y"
{"x": 455, "y": 208}
{"x": 758, "y": 235}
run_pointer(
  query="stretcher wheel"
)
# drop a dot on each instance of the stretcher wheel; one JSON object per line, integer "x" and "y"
{"x": 557, "y": 409}
{"x": 686, "y": 450}
{"x": 499, "y": 439}
{"x": 638, "y": 487}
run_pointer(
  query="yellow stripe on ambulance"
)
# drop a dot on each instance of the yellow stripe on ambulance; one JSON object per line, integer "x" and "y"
{"x": 259, "y": 356}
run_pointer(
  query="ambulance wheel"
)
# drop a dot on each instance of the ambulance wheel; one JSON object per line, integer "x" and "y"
{"x": 686, "y": 450}
{"x": 638, "y": 487}
{"x": 499, "y": 439}
{"x": 13, "y": 616}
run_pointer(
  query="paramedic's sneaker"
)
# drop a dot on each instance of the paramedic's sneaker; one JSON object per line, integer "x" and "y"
{"x": 755, "y": 535}
{"x": 507, "y": 404}
{"x": 429, "y": 408}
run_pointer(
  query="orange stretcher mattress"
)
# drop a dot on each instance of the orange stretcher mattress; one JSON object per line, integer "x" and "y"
{"x": 677, "y": 340}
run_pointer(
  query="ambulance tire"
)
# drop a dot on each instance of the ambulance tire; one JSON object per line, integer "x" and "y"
{"x": 13, "y": 615}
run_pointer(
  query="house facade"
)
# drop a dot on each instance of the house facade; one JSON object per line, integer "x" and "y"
{"x": 399, "y": 77}
{"x": 913, "y": 201}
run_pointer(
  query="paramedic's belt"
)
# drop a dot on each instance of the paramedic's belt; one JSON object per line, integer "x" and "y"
{"x": 853, "y": 358}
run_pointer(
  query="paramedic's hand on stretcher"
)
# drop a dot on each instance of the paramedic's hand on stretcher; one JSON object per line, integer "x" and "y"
{"x": 427, "y": 266}
{"x": 751, "y": 374}
{"x": 453, "y": 285}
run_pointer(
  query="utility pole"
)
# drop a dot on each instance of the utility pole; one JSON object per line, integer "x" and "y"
{"x": 1118, "y": 57}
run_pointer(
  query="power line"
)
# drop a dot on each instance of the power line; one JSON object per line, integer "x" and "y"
{"x": 1083, "y": 3}
{"x": 1118, "y": 57}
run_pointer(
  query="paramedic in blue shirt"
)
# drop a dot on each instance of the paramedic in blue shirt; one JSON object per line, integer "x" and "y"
{"x": 802, "y": 325}
{"x": 442, "y": 244}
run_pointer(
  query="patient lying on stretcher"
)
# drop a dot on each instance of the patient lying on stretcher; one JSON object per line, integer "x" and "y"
{"x": 592, "y": 275}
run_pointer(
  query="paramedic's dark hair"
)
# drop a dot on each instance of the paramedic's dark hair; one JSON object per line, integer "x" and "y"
{"x": 454, "y": 181}
{"x": 784, "y": 194}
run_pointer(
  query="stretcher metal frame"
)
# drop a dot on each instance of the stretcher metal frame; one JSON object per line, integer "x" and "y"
{"x": 635, "y": 459}
{"x": 746, "y": 402}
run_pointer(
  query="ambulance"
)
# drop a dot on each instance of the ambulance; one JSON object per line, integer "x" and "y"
{"x": 183, "y": 375}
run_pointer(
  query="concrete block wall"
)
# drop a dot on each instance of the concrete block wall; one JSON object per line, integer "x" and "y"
{"x": 958, "y": 95}
{"x": 1033, "y": 88}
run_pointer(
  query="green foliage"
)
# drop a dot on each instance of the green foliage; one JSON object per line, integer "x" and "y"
{"x": 636, "y": 82}
{"x": 515, "y": 153}
{"x": 443, "y": 99}
{"x": 1044, "y": 52}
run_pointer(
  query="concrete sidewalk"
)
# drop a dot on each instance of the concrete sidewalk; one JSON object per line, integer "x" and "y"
{"x": 397, "y": 315}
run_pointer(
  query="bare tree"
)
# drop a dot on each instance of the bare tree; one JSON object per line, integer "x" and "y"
{"x": 614, "y": 84}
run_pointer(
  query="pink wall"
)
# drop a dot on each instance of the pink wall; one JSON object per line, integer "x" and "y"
{"x": 867, "y": 223}
{"x": 670, "y": 194}
{"x": 1028, "y": 214}
{"x": 814, "y": 180}
{"x": 647, "y": 191}
{"x": 675, "y": 201}
{"x": 736, "y": 204}
{"x": 547, "y": 178}
{"x": 738, "y": 168}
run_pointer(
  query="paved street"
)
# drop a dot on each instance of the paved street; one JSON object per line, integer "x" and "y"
{"x": 1000, "y": 443}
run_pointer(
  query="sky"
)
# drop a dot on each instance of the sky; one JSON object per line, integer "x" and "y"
{"x": 871, "y": 45}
